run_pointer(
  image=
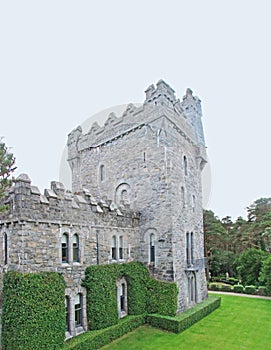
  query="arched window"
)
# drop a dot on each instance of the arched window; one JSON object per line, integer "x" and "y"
{"x": 152, "y": 249}
{"x": 192, "y": 248}
{"x": 193, "y": 202}
{"x": 78, "y": 310}
{"x": 187, "y": 248}
{"x": 185, "y": 165}
{"x": 65, "y": 248}
{"x": 192, "y": 295}
{"x": 183, "y": 197}
{"x": 192, "y": 289}
{"x": 75, "y": 248}
{"x": 114, "y": 248}
{"x": 5, "y": 243}
{"x": 122, "y": 297}
{"x": 102, "y": 172}
{"x": 67, "y": 308}
{"x": 120, "y": 247}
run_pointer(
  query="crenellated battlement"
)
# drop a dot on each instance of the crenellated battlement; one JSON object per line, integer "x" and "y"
{"x": 59, "y": 204}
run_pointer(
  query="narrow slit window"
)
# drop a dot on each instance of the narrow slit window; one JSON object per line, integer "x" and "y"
{"x": 185, "y": 165}
{"x": 114, "y": 248}
{"x": 5, "y": 249}
{"x": 152, "y": 249}
{"x": 75, "y": 248}
{"x": 121, "y": 247}
{"x": 65, "y": 248}
{"x": 102, "y": 173}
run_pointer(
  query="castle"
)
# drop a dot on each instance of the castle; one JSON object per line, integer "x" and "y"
{"x": 136, "y": 196}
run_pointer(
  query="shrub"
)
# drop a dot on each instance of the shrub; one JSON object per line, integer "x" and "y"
{"x": 250, "y": 289}
{"x": 214, "y": 286}
{"x": 233, "y": 281}
{"x": 226, "y": 288}
{"x": 261, "y": 290}
{"x": 238, "y": 288}
{"x": 33, "y": 311}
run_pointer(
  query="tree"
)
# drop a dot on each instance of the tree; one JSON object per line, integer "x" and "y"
{"x": 265, "y": 275}
{"x": 7, "y": 161}
{"x": 214, "y": 233}
{"x": 249, "y": 265}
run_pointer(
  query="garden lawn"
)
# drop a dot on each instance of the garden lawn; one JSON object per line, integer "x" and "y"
{"x": 239, "y": 323}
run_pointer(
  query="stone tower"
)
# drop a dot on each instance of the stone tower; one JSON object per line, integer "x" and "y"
{"x": 150, "y": 159}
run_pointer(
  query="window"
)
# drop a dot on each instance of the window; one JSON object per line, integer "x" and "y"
{"x": 192, "y": 247}
{"x": 192, "y": 298}
{"x": 193, "y": 202}
{"x": 152, "y": 249}
{"x": 185, "y": 165}
{"x": 5, "y": 241}
{"x": 120, "y": 247}
{"x": 114, "y": 248}
{"x": 189, "y": 248}
{"x": 65, "y": 249}
{"x": 122, "y": 297}
{"x": 78, "y": 310}
{"x": 102, "y": 173}
{"x": 183, "y": 196}
{"x": 75, "y": 248}
{"x": 67, "y": 307}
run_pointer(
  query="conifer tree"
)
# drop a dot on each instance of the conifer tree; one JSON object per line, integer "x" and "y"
{"x": 7, "y": 161}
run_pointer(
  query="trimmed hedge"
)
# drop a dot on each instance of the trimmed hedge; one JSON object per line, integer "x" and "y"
{"x": 145, "y": 295}
{"x": 93, "y": 340}
{"x": 33, "y": 311}
{"x": 183, "y": 321}
{"x": 250, "y": 289}
{"x": 96, "y": 339}
{"x": 238, "y": 288}
{"x": 261, "y": 291}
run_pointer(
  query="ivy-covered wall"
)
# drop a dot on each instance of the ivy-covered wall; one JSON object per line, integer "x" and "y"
{"x": 145, "y": 295}
{"x": 33, "y": 311}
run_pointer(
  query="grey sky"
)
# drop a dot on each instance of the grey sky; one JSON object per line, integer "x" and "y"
{"x": 63, "y": 61}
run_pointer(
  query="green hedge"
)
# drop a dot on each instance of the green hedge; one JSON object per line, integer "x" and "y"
{"x": 33, "y": 311}
{"x": 183, "y": 321}
{"x": 162, "y": 298}
{"x": 145, "y": 294}
{"x": 96, "y": 339}
{"x": 93, "y": 340}
{"x": 238, "y": 288}
{"x": 250, "y": 289}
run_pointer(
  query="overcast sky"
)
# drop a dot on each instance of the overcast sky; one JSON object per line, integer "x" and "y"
{"x": 62, "y": 61}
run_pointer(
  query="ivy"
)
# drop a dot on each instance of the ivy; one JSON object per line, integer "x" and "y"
{"x": 33, "y": 311}
{"x": 145, "y": 294}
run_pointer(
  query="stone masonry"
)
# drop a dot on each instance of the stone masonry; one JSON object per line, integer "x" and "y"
{"x": 136, "y": 197}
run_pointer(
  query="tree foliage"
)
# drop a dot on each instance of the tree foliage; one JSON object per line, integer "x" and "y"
{"x": 249, "y": 265}
{"x": 226, "y": 242}
{"x": 7, "y": 161}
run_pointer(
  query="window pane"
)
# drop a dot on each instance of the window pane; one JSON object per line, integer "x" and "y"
{"x": 65, "y": 251}
{"x": 75, "y": 248}
{"x": 78, "y": 310}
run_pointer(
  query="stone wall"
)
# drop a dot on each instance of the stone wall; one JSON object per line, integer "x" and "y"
{"x": 151, "y": 158}
{"x": 136, "y": 196}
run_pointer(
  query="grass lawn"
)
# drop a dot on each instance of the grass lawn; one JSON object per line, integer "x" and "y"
{"x": 239, "y": 323}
